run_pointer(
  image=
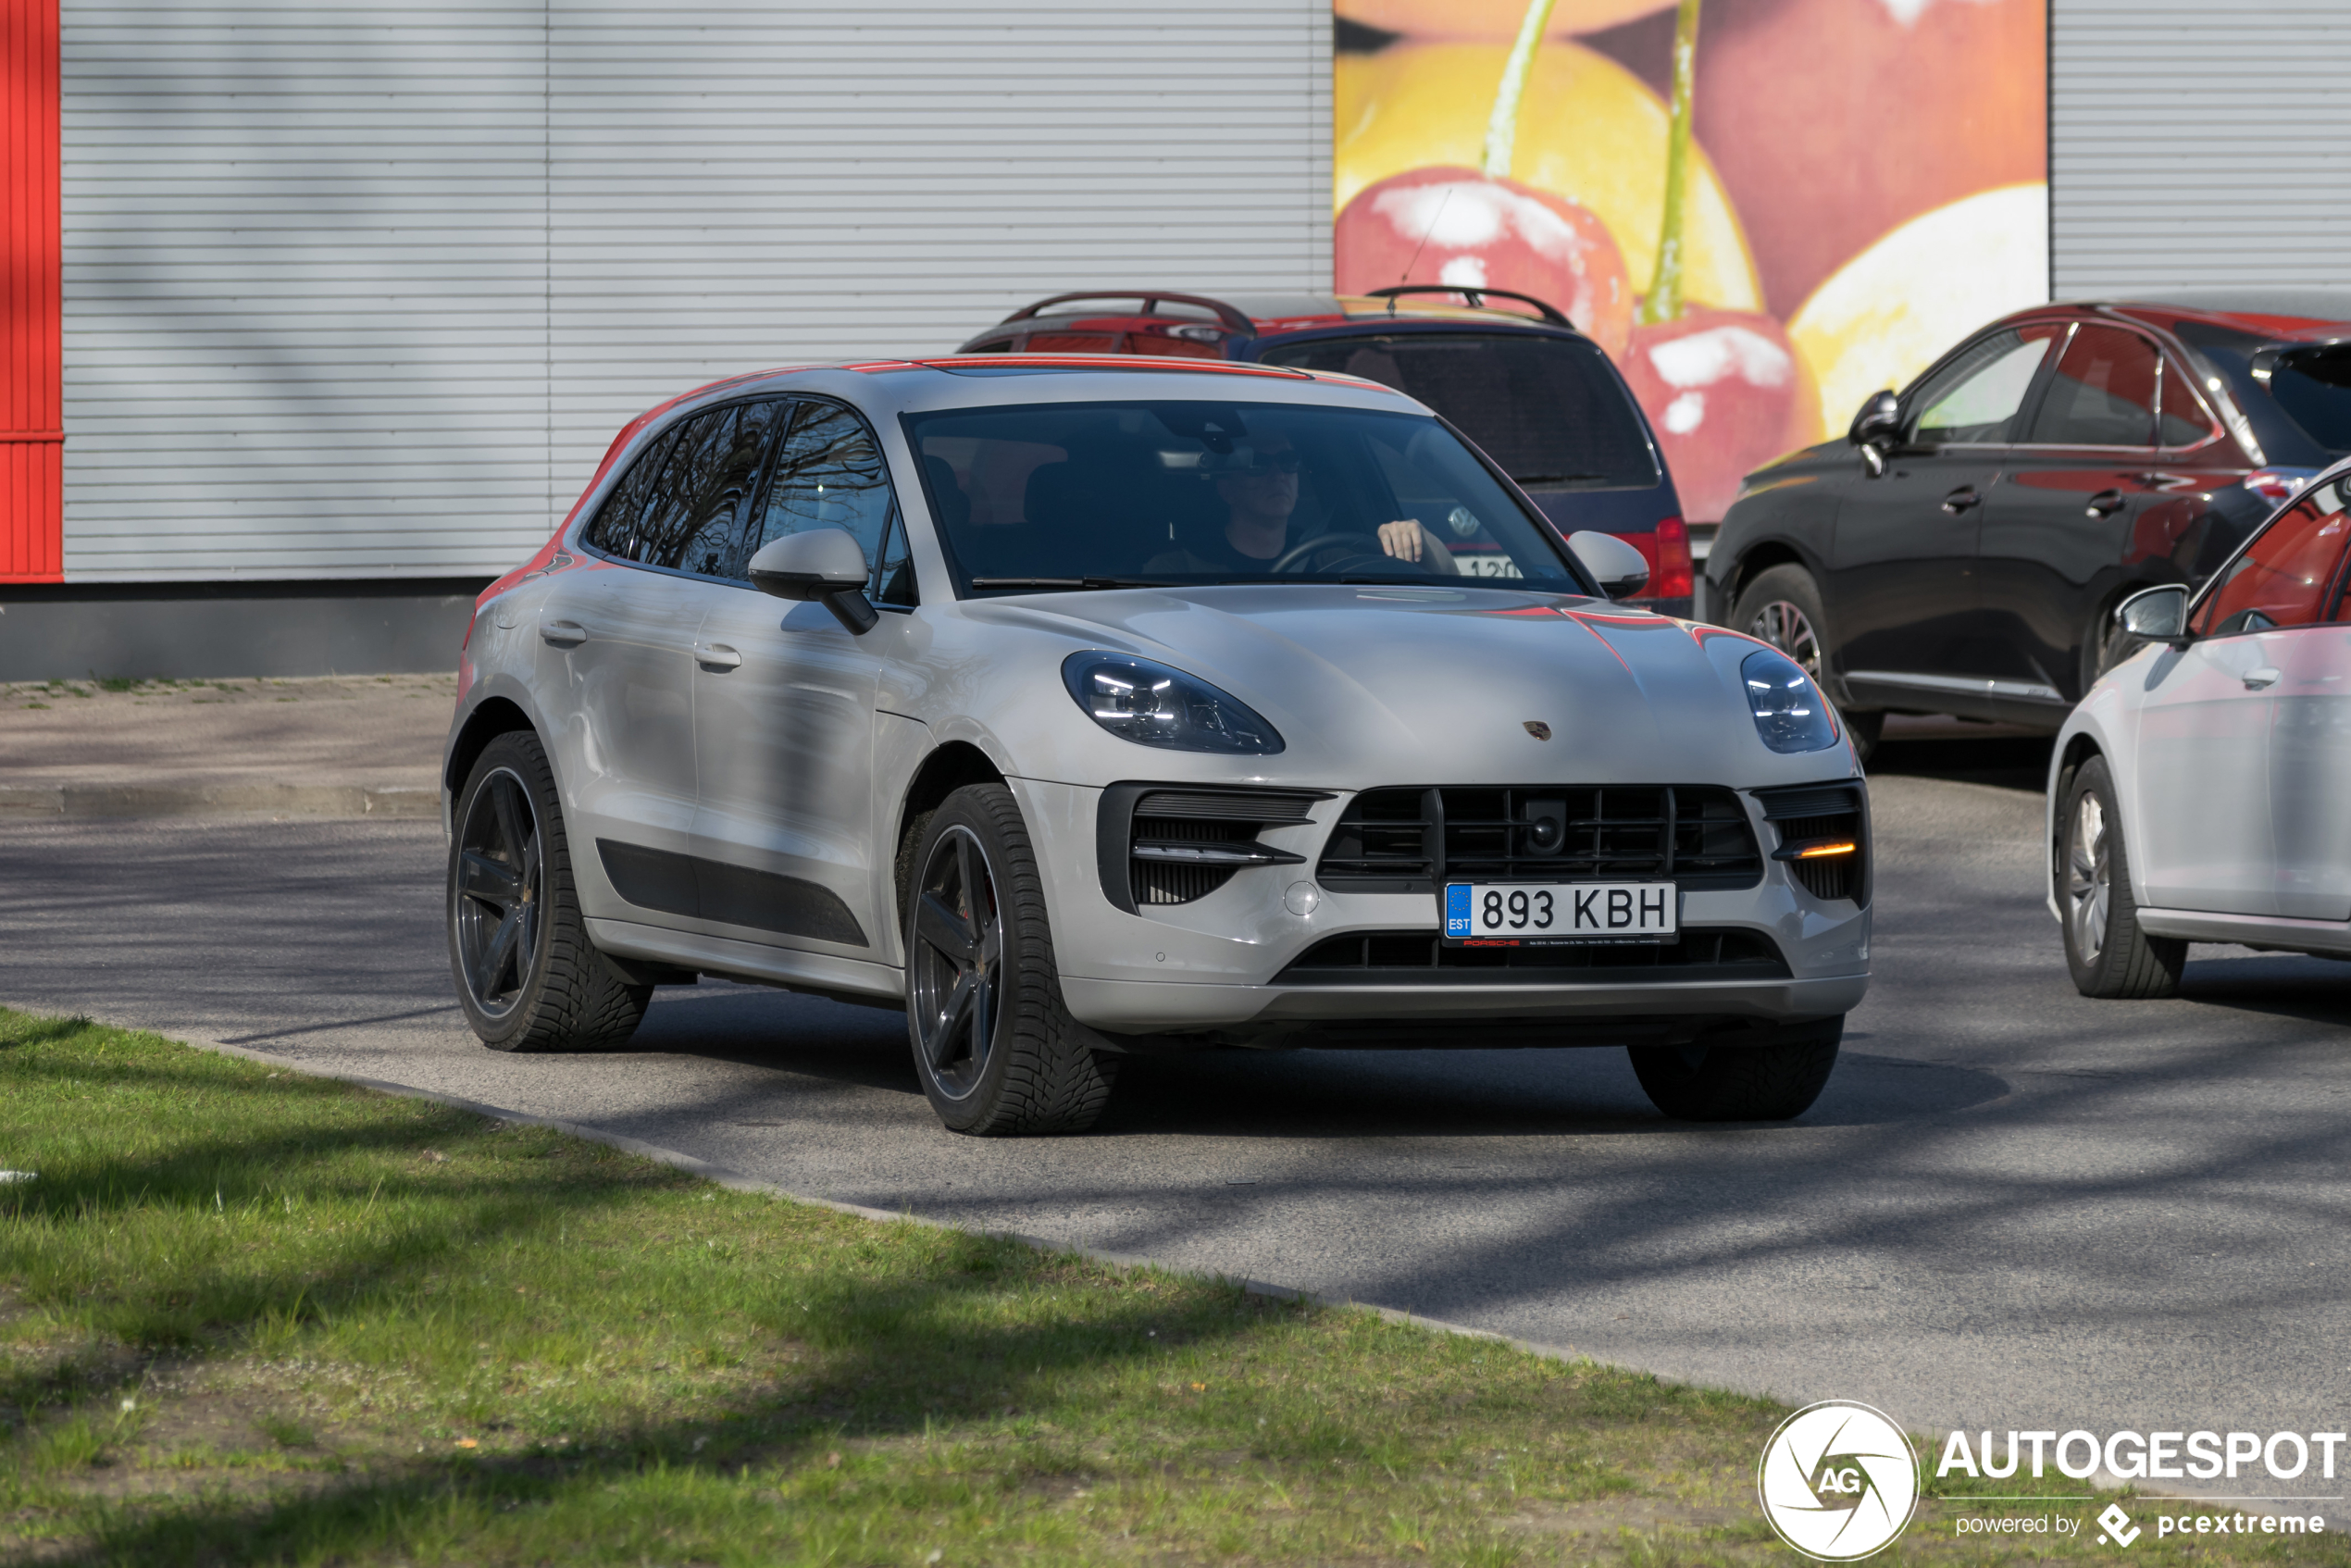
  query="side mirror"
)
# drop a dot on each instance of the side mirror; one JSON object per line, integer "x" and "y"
{"x": 1619, "y": 569}
{"x": 1876, "y": 429}
{"x": 824, "y": 563}
{"x": 2156, "y": 615}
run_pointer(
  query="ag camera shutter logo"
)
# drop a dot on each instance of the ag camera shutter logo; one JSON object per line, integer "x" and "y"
{"x": 1838, "y": 1481}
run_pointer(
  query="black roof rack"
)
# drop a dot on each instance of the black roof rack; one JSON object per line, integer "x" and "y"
{"x": 1152, "y": 299}
{"x": 1476, "y": 297}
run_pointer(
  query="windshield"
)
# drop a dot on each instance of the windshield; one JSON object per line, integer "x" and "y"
{"x": 1548, "y": 409}
{"x": 1110, "y": 494}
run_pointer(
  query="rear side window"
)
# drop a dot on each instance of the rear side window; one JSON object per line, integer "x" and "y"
{"x": 830, "y": 475}
{"x": 2288, "y": 575}
{"x": 1549, "y": 409}
{"x": 2181, "y": 419}
{"x": 2103, "y": 394}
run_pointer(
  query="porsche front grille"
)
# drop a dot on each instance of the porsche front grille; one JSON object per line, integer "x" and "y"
{"x": 1406, "y": 840}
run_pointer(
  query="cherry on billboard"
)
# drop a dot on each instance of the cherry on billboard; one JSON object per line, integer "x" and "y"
{"x": 1765, "y": 210}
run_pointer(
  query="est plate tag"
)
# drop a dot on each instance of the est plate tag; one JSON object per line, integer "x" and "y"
{"x": 1561, "y": 912}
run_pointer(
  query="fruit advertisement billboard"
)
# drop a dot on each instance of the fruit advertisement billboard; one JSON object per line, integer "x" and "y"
{"x": 1764, "y": 210}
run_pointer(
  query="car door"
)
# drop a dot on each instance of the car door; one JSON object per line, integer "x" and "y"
{"x": 2308, "y": 647}
{"x": 2243, "y": 740}
{"x": 615, "y": 664}
{"x": 784, "y": 699}
{"x": 2061, "y": 522}
{"x": 1902, "y": 602}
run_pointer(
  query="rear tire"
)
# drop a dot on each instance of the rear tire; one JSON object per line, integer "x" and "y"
{"x": 1741, "y": 1083}
{"x": 1782, "y": 606}
{"x": 2107, "y": 953}
{"x": 528, "y": 976}
{"x": 997, "y": 1052}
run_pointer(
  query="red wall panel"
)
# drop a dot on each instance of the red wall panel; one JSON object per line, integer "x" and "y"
{"x": 31, "y": 298}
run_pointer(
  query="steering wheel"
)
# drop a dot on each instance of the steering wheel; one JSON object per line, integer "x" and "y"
{"x": 1291, "y": 558}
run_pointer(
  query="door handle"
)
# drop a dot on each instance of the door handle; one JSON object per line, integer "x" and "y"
{"x": 1961, "y": 499}
{"x": 717, "y": 656}
{"x": 562, "y": 634}
{"x": 2254, "y": 680}
{"x": 2104, "y": 502}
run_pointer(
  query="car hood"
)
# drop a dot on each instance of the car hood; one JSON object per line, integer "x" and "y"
{"x": 1441, "y": 685}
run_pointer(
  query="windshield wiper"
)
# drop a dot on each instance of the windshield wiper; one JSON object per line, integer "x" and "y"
{"x": 1553, "y": 479}
{"x": 1069, "y": 582}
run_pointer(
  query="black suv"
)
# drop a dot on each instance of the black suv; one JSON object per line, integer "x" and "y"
{"x": 1962, "y": 549}
{"x": 1537, "y": 395}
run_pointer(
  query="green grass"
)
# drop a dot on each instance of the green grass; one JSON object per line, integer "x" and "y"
{"x": 251, "y": 1317}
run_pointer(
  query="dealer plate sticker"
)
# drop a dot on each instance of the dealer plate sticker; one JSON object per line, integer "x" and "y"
{"x": 1560, "y": 912}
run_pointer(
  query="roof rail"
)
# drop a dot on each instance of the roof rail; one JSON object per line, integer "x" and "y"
{"x": 1477, "y": 298}
{"x": 1152, "y": 299}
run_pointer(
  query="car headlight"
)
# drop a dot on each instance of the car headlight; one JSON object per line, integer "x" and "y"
{"x": 1790, "y": 713}
{"x": 1154, "y": 705}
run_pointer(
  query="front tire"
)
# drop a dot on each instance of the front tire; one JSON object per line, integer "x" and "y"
{"x": 2107, "y": 953}
{"x": 997, "y": 1052}
{"x": 528, "y": 976}
{"x": 1782, "y": 607}
{"x": 1741, "y": 1083}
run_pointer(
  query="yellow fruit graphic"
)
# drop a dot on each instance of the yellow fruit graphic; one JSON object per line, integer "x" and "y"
{"x": 1894, "y": 309}
{"x": 1588, "y": 129}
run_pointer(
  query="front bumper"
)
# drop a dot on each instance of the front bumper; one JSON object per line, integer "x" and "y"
{"x": 1213, "y": 969}
{"x": 1457, "y": 1015}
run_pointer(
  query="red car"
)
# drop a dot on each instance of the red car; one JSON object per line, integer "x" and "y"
{"x": 1533, "y": 394}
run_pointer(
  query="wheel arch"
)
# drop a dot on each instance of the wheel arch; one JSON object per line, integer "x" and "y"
{"x": 492, "y": 718}
{"x": 1755, "y": 560}
{"x": 947, "y": 769}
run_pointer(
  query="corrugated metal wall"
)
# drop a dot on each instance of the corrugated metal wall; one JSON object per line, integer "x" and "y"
{"x": 356, "y": 291}
{"x": 2198, "y": 141}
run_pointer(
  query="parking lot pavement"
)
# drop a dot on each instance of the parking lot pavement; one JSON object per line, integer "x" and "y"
{"x": 2012, "y": 1207}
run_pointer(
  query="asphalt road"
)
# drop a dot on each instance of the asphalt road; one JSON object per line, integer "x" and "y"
{"x": 2012, "y": 1207}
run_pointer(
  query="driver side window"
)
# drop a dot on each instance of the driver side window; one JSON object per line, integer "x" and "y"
{"x": 1974, "y": 399}
{"x": 2289, "y": 576}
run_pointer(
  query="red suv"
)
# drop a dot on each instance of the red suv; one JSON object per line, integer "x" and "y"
{"x": 1537, "y": 395}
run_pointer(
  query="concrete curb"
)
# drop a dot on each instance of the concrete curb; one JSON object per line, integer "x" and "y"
{"x": 35, "y": 802}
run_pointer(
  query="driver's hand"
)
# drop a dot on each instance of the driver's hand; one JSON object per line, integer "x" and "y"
{"x": 1401, "y": 539}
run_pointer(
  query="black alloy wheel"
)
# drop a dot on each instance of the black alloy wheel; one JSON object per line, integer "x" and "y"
{"x": 500, "y": 891}
{"x": 996, "y": 1051}
{"x": 528, "y": 976}
{"x": 958, "y": 952}
{"x": 2106, "y": 953}
{"x": 1782, "y": 606}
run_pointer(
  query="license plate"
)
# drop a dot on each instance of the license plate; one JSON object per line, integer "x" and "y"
{"x": 1561, "y": 912}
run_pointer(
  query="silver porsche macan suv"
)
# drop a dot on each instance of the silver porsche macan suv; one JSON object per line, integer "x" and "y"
{"x": 1089, "y": 707}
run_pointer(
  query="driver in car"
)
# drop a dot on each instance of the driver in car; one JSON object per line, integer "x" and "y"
{"x": 1258, "y": 484}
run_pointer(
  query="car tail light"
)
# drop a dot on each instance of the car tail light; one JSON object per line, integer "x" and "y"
{"x": 1668, "y": 553}
{"x": 2278, "y": 486}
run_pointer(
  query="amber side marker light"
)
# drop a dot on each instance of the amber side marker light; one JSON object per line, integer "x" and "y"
{"x": 1822, "y": 852}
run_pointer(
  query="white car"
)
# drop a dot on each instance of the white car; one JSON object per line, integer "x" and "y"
{"x": 1090, "y": 707}
{"x": 2199, "y": 791}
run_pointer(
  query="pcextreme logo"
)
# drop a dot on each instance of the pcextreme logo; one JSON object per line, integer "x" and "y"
{"x": 1837, "y": 1481}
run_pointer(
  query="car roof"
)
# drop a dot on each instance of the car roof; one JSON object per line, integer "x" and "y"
{"x": 2282, "y": 313}
{"x": 900, "y": 385}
